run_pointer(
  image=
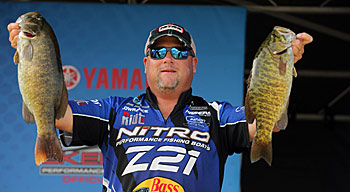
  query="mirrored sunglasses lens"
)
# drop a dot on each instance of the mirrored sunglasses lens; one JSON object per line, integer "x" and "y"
{"x": 177, "y": 54}
{"x": 158, "y": 53}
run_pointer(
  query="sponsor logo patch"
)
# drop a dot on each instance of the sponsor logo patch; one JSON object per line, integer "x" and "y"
{"x": 136, "y": 108}
{"x": 134, "y": 119}
{"x": 159, "y": 184}
{"x": 170, "y": 27}
{"x": 200, "y": 113}
{"x": 85, "y": 102}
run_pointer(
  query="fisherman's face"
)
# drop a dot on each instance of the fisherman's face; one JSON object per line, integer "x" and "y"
{"x": 169, "y": 74}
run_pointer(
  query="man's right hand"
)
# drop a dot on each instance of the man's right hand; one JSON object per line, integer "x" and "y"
{"x": 14, "y": 30}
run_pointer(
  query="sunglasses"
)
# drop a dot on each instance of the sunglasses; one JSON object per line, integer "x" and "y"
{"x": 176, "y": 52}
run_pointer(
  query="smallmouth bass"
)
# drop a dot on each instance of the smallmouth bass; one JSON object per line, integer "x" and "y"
{"x": 269, "y": 86}
{"x": 41, "y": 83}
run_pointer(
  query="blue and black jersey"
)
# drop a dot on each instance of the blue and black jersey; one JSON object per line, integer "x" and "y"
{"x": 142, "y": 151}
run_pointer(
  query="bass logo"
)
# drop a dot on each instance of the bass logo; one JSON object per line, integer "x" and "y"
{"x": 159, "y": 184}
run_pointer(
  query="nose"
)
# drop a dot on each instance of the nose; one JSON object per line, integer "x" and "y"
{"x": 168, "y": 57}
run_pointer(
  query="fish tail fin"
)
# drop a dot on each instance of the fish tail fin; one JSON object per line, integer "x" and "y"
{"x": 47, "y": 148}
{"x": 261, "y": 151}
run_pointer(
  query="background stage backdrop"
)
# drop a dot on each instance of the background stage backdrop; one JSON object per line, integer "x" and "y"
{"x": 102, "y": 52}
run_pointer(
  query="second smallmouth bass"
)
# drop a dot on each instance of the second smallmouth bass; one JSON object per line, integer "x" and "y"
{"x": 269, "y": 86}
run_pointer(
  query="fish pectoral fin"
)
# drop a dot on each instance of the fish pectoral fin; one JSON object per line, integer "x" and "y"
{"x": 261, "y": 152}
{"x": 28, "y": 51}
{"x": 27, "y": 115}
{"x": 249, "y": 113}
{"x": 295, "y": 72}
{"x": 61, "y": 106}
{"x": 16, "y": 58}
{"x": 282, "y": 67}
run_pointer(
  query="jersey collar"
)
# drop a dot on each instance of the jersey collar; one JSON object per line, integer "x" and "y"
{"x": 184, "y": 99}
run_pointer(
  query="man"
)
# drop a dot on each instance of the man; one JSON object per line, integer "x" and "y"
{"x": 166, "y": 139}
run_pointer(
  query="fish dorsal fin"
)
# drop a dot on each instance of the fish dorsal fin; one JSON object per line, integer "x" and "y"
{"x": 282, "y": 67}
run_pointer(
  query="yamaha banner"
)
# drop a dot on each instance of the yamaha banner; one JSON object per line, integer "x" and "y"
{"x": 102, "y": 51}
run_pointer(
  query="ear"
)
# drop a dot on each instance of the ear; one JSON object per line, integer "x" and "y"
{"x": 194, "y": 64}
{"x": 145, "y": 59}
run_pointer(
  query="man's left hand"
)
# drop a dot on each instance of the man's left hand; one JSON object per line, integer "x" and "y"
{"x": 298, "y": 45}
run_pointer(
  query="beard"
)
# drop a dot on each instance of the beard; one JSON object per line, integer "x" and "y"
{"x": 167, "y": 87}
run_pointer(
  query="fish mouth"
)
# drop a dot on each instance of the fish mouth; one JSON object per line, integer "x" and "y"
{"x": 29, "y": 35}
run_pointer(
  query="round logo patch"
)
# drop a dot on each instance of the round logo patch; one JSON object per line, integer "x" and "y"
{"x": 158, "y": 184}
{"x": 71, "y": 76}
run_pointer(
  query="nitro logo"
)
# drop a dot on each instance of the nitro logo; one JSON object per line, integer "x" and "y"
{"x": 128, "y": 119}
{"x": 159, "y": 184}
{"x": 171, "y": 27}
{"x": 170, "y": 132}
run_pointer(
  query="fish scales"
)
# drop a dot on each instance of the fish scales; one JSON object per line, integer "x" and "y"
{"x": 41, "y": 83}
{"x": 269, "y": 87}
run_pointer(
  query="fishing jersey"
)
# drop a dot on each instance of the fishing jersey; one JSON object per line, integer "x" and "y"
{"x": 143, "y": 152}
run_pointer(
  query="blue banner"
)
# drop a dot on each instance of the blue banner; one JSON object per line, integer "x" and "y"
{"x": 102, "y": 50}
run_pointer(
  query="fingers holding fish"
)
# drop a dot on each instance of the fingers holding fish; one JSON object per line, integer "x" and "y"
{"x": 14, "y": 30}
{"x": 298, "y": 45}
{"x": 305, "y": 38}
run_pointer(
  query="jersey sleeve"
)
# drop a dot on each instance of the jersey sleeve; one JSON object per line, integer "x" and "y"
{"x": 233, "y": 127}
{"x": 90, "y": 121}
